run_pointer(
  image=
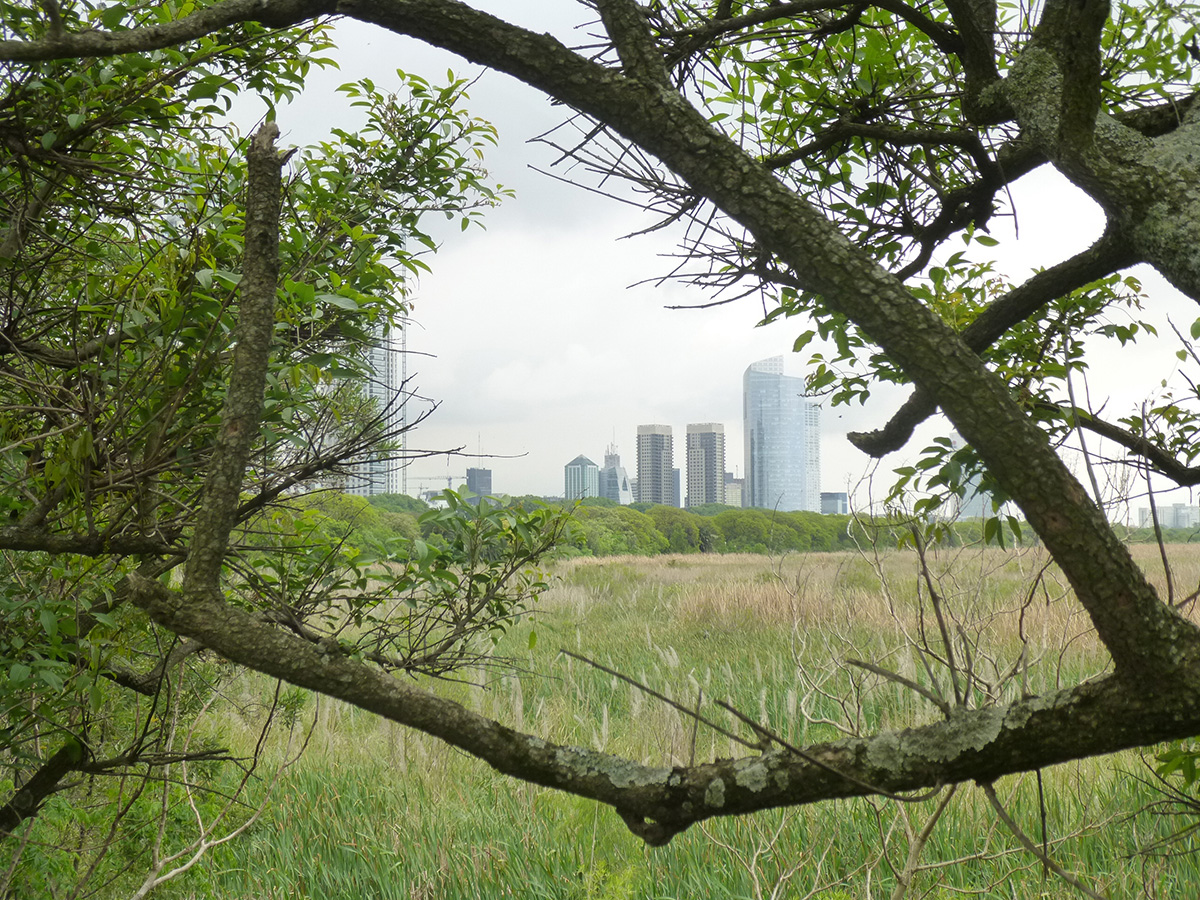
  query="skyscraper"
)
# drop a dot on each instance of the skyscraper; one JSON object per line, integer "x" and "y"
{"x": 479, "y": 481}
{"x": 783, "y": 440}
{"x": 705, "y": 463}
{"x": 380, "y": 473}
{"x": 581, "y": 478}
{"x": 655, "y": 464}
{"x": 614, "y": 480}
{"x": 975, "y": 503}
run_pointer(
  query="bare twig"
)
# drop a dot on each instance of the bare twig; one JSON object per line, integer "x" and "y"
{"x": 990, "y": 792}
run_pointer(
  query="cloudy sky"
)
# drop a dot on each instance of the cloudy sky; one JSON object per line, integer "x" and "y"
{"x": 540, "y": 338}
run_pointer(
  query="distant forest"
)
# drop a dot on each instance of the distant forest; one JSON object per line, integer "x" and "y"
{"x": 602, "y": 528}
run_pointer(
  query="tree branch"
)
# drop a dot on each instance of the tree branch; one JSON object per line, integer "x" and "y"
{"x": 1109, "y": 254}
{"x": 1162, "y": 461}
{"x": 93, "y": 43}
{"x": 659, "y": 802}
{"x": 943, "y": 37}
{"x": 38, "y": 539}
{"x": 28, "y": 799}
{"x": 243, "y": 405}
{"x": 626, "y": 24}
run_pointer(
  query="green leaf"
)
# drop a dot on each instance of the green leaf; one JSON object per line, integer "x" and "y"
{"x": 49, "y": 622}
{"x": 347, "y": 303}
{"x": 112, "y": 16}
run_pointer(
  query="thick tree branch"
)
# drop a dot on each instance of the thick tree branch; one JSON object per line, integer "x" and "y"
{"x": 626, "y": 24}
{"x": 93, "y": 43}
{"x": 28, "y": 799}
{"x": 39, "y": 539}
{"x": 1070, "y": 31}
{"x": 1163, "y": 462}
{"x": 658, "y": 802}
{"x": 243, "y": 406}
{"x": 976, "y": 24}
{"x": 1148, "y": 186}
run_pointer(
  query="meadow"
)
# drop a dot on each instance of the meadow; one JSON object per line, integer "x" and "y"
{"x": 371, "y": 810}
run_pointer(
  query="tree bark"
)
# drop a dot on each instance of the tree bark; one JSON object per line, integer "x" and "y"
{"x": 1150, "y": 187}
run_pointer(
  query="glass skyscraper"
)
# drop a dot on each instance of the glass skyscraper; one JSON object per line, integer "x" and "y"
{"x": 783, "y": 440}
{"x": 614, "y": 480}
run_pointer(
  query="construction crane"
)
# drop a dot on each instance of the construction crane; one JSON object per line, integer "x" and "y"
{"x": 426, "y": 485}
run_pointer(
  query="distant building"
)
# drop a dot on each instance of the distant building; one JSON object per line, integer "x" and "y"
{"x": 614, "y": 481}
{"x": 835, "y": 504}
{"x": 1177, "y": 515}
{"x": 656, "y": 478}
{"x": 733, "y": 489}
{"x": 705, "y": 463}
{"x": 975, "y": 503}
{"x": 581, "y": 478}
{"x": 479, "y": 481}
{"x": 380, "y": 473}
{"x": 783, "y": 440}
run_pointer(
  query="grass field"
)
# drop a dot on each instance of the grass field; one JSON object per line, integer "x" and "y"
{"x": 374, "y": 811}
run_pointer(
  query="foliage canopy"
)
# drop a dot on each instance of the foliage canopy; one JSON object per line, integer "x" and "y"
{"x": 846, "y": 158}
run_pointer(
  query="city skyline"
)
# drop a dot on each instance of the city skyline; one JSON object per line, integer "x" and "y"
{"x": 524, "y": 378}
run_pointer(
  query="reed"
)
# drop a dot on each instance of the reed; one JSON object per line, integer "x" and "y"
{"x": 375, "y": 811}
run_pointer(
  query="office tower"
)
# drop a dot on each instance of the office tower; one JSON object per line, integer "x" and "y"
{"x": 835, "y": 503}
{"x": 783, "y": 440}
{"x": 705, "y": 463}
{"x": 479, "y": 482}
{"x": 582, "y": 479}
{"x": 380, "y": 472}
{"x": 614, "y": 481}
{"x": 1172, "y": 515}
{"x": 975, "y": 503}
{"x": 655, "y": 465}
{"x": 733, "y": 489}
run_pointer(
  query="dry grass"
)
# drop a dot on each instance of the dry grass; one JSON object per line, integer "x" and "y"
{"x": 772, "y": 639}
{"x": 1016, "y": 592}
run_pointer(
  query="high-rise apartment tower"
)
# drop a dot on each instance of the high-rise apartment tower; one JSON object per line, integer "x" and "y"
{"x": 380, "y": 473}
{"x": 705, "y": 463}
{"x": 783, "y": 440}
{"x": 655, "y": 464}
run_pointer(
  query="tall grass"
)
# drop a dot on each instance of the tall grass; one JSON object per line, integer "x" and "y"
{"x": 375, "y": 811}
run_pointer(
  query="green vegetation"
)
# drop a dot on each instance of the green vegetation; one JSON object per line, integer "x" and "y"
{"x": 180, "y": 347}
{"x": 373, "y": 810}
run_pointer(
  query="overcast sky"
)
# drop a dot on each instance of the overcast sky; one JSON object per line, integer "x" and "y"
{"x": 540, "y": 344}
